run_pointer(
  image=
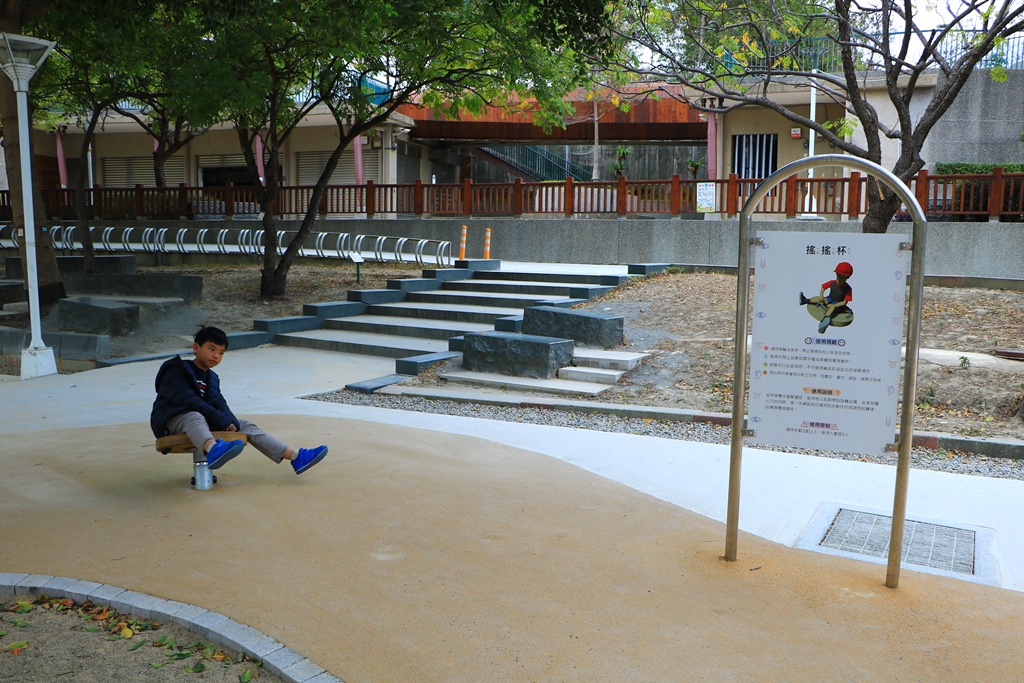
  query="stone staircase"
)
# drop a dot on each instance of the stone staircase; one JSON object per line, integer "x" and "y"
{"x": 422, "y": 321}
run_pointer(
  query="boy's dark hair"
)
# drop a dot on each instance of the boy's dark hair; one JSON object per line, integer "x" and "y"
{"x": 208, "y": 334}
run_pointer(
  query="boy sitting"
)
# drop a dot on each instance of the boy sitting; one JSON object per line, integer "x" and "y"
{"x": 188, "y": 400}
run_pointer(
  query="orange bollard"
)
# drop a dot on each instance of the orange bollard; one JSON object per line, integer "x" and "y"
{"x": 462, "y": 245}
{"x": 487, "y": 244}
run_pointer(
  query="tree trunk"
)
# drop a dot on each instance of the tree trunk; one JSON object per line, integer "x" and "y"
{"x": 159, "y": 159}
{"x": 883, "y": 204}
{"x": 313, "y": 207}
{"x": 51, "y": 289}
{"x": 81, "y": 209}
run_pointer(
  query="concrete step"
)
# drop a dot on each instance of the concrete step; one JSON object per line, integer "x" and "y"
{"x": 364, "y": 343}
{"x": 405, "y": 327}
{"x": 611, "y": 360}
{"x": 11, "y": 291}
{"x": 578, "y": 290}
{"x": 610, "y": 280}
{"x": 596, "y": 375}
{"x": 447, "y": 296}
{"x": 451, "y": 312}
{"x": 547, "y": 386}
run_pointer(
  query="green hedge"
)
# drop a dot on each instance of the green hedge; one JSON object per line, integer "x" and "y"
{"x": 966, "y": 168}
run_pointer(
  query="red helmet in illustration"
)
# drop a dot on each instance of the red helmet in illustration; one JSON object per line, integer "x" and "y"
{"x": 844, "y": 269}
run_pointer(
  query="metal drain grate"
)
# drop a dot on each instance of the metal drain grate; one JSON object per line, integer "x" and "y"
{"x": 928, "y": 545}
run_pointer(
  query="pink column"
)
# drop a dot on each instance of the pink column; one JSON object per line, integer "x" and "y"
{"x": 712, "y": 146}
{"x": 357, "y": 150}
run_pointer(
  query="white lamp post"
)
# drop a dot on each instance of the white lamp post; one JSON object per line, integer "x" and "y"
{"x": 809, "y": 203}
{"x": 20, "y": 57}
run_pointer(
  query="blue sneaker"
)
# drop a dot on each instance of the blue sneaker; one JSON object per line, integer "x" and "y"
{"x": 307, "y": 457}
{"x": 223, "y": 451}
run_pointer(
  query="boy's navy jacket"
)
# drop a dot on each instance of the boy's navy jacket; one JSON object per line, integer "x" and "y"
{"x": 177, "y": 393}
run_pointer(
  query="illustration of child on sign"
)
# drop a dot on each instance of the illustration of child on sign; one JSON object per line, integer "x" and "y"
{"x": 832, "y": 305}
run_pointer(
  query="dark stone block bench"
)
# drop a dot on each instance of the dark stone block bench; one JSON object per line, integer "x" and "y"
{"x": 121, "y": 264}
{"x": 95, "y": 315}
{"x": 519, "y": 355}
{"x": 188, "y": 288}
{"x": 586, "y": 328}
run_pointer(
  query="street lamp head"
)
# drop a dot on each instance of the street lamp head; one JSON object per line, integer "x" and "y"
{"x": 21, "y": 56}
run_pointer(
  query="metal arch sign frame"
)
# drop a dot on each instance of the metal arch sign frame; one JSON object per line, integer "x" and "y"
{"x": 910, "y": 366}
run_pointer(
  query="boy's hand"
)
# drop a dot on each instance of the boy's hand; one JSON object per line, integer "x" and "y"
{"x": 232, "y": 428}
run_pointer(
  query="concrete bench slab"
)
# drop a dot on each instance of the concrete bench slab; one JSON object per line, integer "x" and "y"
{"x": 646, "y": 268}
{"x": 376, "y": 296}
{"x": 414, "y": 365}
{"x": 248, "y": 340}
{"x": 513, "y": 323}
{"x": 334, "y": 309}
{"x": 415, "y": 284}
{"x": 368, "y": 386}
{"x": 298, "y": 323}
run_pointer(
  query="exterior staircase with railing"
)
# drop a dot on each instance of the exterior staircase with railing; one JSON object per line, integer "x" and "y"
{"x": 538, "y": 162}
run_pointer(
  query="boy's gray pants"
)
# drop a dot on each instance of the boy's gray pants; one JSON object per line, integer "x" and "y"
{"x": 194, "y": 426}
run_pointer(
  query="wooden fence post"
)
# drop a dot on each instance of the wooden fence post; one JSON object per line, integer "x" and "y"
{"x": 921, "y": 189}
{"x": 140, "y": 202}
{"x": 182, "y": 200}
{"x": 467, "y": 196}
{"x": 517, "y": 197}
{"x": 732, "y": 195}
{"x": 853, "y": 196}
{"x": 371, "y": 199}
{"x": 569, "y": 200}
{"x": 676, "y": 196}
{"x": 229, "y": 200}
{"x": 417, "y": 198}
{"x": 996, "y": 192}
{"x": 792, "y": 183}
{"x": 620, "y": 197}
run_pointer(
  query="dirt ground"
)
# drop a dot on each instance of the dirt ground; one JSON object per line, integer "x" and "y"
{"x": 58, "y": 640}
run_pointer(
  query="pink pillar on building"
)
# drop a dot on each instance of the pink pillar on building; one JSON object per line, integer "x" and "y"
{"x": 62, "y": 162}
{"x": 712, "y": 146}
{"x": 357, "y": 150}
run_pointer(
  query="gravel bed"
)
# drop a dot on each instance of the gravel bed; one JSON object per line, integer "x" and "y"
{"x": 920, "y": 458}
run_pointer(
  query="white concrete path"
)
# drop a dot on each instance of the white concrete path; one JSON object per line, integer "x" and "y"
{"x": 781, "y": 493}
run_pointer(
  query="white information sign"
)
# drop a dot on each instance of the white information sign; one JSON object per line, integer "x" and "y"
{"x": 706, "y": 198}
{"x": 827, "y": 334}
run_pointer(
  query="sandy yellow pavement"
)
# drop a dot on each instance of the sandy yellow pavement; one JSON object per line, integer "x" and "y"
{"x": 412, "y": 555}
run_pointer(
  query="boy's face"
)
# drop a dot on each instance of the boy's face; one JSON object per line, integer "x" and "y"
{"x": 209, "y": 355}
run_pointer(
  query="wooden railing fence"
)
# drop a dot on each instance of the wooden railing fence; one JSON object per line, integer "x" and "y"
{"x": 995, "y": 196}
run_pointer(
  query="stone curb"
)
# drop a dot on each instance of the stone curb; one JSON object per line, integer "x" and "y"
{"x": 276, "y": 657}
{"x": 993, "y": 448}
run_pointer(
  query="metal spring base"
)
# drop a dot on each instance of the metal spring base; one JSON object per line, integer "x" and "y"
{"x": 202, "y": 476}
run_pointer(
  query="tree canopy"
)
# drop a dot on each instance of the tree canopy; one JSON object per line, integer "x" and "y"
{"x": 741, "y": 50}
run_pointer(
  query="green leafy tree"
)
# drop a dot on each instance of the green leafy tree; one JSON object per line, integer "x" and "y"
{"x": 95, "y": 65}
{"x": 361, "y": 61}
{"x": 176, "y": 97}
{"x": 743, "y": 49}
